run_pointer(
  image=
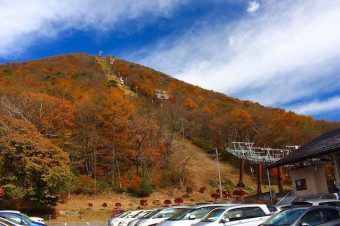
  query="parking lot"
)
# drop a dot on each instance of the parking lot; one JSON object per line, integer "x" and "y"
{"x": 80, "y": 224}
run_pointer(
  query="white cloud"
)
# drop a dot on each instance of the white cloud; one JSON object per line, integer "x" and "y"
{"x": 288, "y": 52}
{"x": 23, "y": 21}
{"x": 253, "y": 6}
{"x": 318, "y": 107}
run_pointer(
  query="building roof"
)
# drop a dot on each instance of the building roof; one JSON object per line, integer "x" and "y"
{"x": 324, "y": 144}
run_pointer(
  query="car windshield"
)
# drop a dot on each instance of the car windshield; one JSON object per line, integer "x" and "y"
{"x": 200, "y": 212}
{"x": 166, "y": 213}
{"x": 286, "y": 217}
{"x": 153, "y": 213}
{"x": 138, "y": 214}
{"x": 123, "y": 215}
{"x": 213, "y": 215}
{"x": 180, "y": 214}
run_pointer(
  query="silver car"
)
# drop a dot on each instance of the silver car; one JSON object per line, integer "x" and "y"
{"x": 241, "y": 214}
{"x": 191, "y": 215}
{"x": 303, "y": 216}
{"x": 160, "y": 216}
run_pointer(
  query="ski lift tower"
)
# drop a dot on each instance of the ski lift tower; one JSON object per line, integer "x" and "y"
{"x": 256, "y": 155}
{"x": 162, "y": 95}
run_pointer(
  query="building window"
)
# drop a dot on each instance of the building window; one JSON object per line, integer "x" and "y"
{"x": 301, "y": 184}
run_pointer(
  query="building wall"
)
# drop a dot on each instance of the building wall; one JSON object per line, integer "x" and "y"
{"x": 314, "y": 177}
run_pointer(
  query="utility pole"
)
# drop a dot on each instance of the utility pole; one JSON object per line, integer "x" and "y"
{"x": 219, "y": 173}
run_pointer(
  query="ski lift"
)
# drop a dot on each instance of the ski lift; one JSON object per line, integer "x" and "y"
{"x": 162, "y": 95}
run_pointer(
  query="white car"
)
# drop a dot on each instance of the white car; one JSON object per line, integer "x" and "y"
{"x": 191, "y": 215}
{"x": 246, "y": 215}
{"x": 160, "y": 216}
{"x": 116, "y": 220}
{"x": 35, "y": 219}
{"x": 127, "y": 220}
{"x": 147, "y": 216}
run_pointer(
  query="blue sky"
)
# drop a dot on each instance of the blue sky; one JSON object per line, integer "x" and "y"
{"x": 280, "y": 53}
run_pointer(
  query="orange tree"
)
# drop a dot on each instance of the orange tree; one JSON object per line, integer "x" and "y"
{"x": 30, "y": 164}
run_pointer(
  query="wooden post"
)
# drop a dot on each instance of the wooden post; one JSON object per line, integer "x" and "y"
{"x": 279, "y": 179}
{"x": 240, "y": 181}
{"x": 259, "y": 178}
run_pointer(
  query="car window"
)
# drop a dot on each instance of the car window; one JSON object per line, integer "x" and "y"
{"x": 331, "y": 214}
{"x": 201, "y": 212}
{"x": 213, "y": 215}
{"x": 329, "y": 204}
{"x": 233, "y": 215}
{"x": 313, "y": 217}
{"x": 272, "y": 209}
{"x": 251, "y": 212}
{"x": 286, "y": 217}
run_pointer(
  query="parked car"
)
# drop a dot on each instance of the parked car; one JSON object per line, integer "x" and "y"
{"x": 191, "y": 215}
{"x": 117, "y": 212}
{"x": 317, "y": 202}
{"x": 6, "y": 222}
{"x": 127, "y": 220}
{"x": 19, "y": 218}
{"x": 152, "y": 213}
{"x": 278, "y": 208}
{"x": 160, "y": 216}
{"x": 247, "y": 215}
{"x": 116, "y": 220}
{"x": 315, "y": 215}
{"x": 35, "y": 219}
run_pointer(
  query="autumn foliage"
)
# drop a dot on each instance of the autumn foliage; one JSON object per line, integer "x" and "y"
{"x": 59, "y": 115}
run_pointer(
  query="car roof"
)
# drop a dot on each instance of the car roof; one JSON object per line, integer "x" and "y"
{"x": 318, "y": 200}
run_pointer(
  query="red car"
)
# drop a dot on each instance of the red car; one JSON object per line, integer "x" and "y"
{"x": 117, "y": 212}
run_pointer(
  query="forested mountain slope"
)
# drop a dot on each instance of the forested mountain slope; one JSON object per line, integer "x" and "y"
{"x": 118, "y": 137}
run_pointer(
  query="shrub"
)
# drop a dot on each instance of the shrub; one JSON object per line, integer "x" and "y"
{"x": 143, "y": 202}
{"x": 156, "y": 202}
{"x": 178, "y": 201}
{"x": 145, "y": 189}
{"x": 202, "y": 189}
{"x": 215, "y": 196}
{"x": 167, "y": 202}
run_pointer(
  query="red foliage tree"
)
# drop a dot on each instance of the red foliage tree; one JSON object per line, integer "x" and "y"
{"x": 167, "y": 202}
{"x": 178, "y": 201}
{"x": 90, "y": 205}
{"x": 239, "y": 193}
{"x": 215, "y": 196}
{"x": 143, "y": 202}
{"x": 118, "y": 205}
{"x": 202, "y": 189}
{"x": 104, "y": 205}
{"x": 156, "y": 202}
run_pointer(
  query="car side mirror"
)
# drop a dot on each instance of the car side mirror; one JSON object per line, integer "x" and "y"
{"x": 192, "y": 217}
{"x": 160, "y": 216}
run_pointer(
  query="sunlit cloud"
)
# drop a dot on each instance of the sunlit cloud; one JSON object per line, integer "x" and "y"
{"x": 253, "y": 6}
{"x": 289, "y": 51}
{"x": 22, "y": 22}
{"x": 318, "y": 107}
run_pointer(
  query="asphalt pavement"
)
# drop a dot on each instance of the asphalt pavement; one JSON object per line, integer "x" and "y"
{"x": 80, "y": 224}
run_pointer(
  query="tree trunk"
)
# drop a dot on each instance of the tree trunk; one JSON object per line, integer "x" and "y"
{"x": 240, "y": 181}
{"x": 279, "y": 179}
{"x": 259, "y": 178}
